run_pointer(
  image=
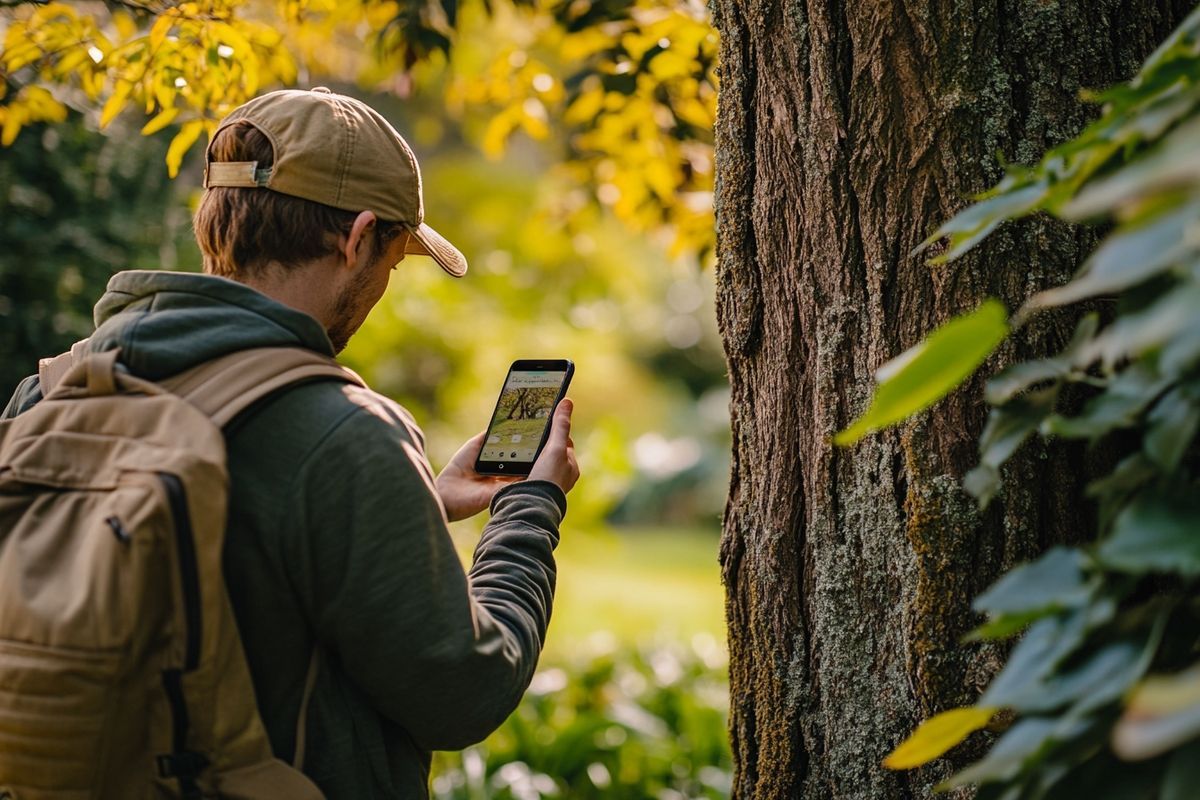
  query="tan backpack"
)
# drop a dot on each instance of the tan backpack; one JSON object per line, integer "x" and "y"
{"x": 121, "y": 671}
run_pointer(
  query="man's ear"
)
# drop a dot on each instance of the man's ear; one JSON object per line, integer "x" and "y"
{"x": 358, "y": 241}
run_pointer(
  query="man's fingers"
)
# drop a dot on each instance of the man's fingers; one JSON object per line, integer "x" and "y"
{"x": 561, "y": 433}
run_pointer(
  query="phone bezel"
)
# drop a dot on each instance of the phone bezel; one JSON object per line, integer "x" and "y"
{"x": 522, "y": 468}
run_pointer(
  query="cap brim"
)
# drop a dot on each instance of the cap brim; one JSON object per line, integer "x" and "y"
{"x": 425, "y": 241}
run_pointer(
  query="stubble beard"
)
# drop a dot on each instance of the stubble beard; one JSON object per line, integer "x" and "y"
{"x": 345, "y": 309}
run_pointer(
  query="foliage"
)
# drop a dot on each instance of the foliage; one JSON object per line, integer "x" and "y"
{"x": 630, "y": 85}
{"x": 637, "y": 723}
{"x": 74, "y": 209}
{"x": 1101, "y": 618}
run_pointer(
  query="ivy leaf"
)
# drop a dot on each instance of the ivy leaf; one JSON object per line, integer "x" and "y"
{"x": 1106, "y": 674}
{"x": 929, "y": 371}
{"x": 1182, "y": 352}
{"x": 1022, "y": 375}
{"x": 1037, "y": 655}
{"x": 1155, "y": 533}
{"x": 936, "y": 735}
{"x": 1171, "y": 427}
{"x": 1025, "y": 742}
{"x": 970, "y": 226}
{"x": 1119, "y": 406}
{"x": 1113, "y": 490}
{"x": 1174, "y": 163}
{"x": 1162, "y": 713}
{"x": 1054, "y": 581}
{"x": 1130, "y": 256}
{"x": 1006, "y": 429}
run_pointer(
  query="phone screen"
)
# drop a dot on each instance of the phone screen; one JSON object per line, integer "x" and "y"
{"x": 521, "y": 418}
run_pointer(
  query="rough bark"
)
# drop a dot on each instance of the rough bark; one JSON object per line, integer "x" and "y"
{"x": 846, "y": 133}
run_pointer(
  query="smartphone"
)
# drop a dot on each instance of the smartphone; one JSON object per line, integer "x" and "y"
{"x": 520, "y": 424}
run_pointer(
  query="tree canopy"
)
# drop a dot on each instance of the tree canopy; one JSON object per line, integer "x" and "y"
{"x": 627, "y": 88}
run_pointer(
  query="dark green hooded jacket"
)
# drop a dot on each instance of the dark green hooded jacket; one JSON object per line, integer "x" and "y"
{"x": 337, "y": 540}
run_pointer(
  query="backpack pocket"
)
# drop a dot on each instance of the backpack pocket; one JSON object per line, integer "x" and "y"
{"x": 55, "y": 705}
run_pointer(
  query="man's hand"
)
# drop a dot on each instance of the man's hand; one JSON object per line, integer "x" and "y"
{"x": 465, "y": 492}
{"x": 557, "y": 460}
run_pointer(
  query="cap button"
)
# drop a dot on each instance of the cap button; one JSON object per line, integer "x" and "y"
{"x": 321, "y": 89}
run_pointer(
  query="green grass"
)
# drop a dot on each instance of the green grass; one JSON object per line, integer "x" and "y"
{"x": 635, "y": 585}
{"x": 528, "y": 429}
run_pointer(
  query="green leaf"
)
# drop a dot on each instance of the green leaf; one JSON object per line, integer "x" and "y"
{"x": 1054, "y": 581}
{"x": 938, "y": 734}
{"x": 1174, "y": 163}
{"x": 1131, "y": 255}
{"x": 1113, "y": 491}
{"x": 1171, "y": 427}
{"x": 1099, "y": 680}
{"x": 927, "y": 372}
{"x": 1019, "y": 377}
{"x": 1162, "y": 713}
{"x": 1118, "y": 406}
{"x": 1183, "y": 773}
{"x": 1156, "y": 533}
{"x": 1005, "y": 625}
{"x": 1025, "y": 743}
{"x": 1045, "y": 644}
{"x": 1131, "y": 473}
{"x": 1181, "y": 352}
{"x": 1006, "y": 429}
{"x": 970, "y": 226}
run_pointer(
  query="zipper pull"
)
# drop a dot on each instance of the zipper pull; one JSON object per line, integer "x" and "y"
{"x": 123, "y": 536}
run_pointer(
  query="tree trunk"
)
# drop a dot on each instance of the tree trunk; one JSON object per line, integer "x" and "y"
{"x": 846, "y": 133}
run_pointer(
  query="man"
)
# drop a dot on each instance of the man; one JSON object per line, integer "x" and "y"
{"x": 337, "y": 535}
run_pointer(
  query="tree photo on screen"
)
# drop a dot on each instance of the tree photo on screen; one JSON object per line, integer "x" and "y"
{"x": 523, "y": 412}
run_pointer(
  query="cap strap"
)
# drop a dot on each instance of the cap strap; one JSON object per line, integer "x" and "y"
{"x": 236, "y": 173}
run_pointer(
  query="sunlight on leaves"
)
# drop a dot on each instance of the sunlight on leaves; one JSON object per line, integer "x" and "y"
{"x": 929, "y": 371}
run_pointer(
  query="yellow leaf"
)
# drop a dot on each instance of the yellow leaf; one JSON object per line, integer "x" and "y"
{"x": 936, "y": 735}
{"x": 115, "y": 103}
{"x": 12, "y": 124}
{"x": 181, "y": 143}
{"x": 67, "y": 63}
{"x": 21, "y": 55}
{"x": 162, "y": 120}
{"x": 125, "y": 24}
{"x": 585, "y": 107}
{"x": 162, "y": 26}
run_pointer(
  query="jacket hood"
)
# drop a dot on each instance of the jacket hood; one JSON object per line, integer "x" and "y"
{"x": 167, "y": 322}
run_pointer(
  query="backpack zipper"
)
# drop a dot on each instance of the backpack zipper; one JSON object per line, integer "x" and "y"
{"x": 183, "y": 764}
{"x": 189, "y": 573}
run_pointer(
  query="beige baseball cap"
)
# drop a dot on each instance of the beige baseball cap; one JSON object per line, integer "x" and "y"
{"x": 338, "y": 151}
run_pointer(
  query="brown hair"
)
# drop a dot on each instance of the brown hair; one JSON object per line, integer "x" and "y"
{"x": 241, "y": 230}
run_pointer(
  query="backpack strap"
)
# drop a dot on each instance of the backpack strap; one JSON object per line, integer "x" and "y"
{"x": 226, "y": 386}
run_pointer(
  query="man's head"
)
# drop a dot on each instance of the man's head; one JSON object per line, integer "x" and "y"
{"x": 313, "y": 197}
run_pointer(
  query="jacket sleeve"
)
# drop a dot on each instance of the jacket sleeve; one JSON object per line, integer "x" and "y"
{"x": 26, "y": 396}
{"x": 444, "y": 655}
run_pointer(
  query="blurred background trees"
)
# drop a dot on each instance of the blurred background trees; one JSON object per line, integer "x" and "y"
{"x": 567, "y": 149}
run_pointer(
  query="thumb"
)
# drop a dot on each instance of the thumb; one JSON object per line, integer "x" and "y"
{"x": 560, "y": 432}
